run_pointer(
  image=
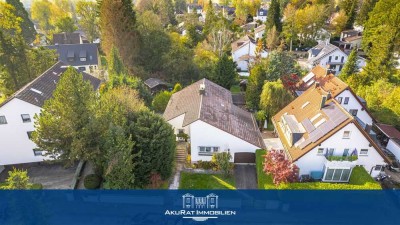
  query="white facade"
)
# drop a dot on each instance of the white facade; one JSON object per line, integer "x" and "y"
{"x": 335, "y": 60}
{"x": 348, "y": 101}
{"x": 16, "y": 147}
{"x": 90, "y": 69}
{"x": 259, "y": 34}
{"x": 202, "y": 134}
{"x": 247, "y": 49}
{"x": 314, "y": 161}
{"x": 394, "y": 147}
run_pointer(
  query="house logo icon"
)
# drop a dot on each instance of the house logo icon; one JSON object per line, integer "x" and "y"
{"x": 210, "y": 201}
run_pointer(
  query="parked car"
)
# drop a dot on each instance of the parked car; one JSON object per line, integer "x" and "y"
{"x": 394, "y": 166}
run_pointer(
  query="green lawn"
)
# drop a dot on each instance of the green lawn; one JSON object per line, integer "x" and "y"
{"x": 235, "y": 89}
{"x": 205, "y": 181}
{"x": 359, "y": 180}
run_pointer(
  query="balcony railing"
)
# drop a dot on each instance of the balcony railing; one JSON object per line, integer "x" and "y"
{"x": 349, "y": 158}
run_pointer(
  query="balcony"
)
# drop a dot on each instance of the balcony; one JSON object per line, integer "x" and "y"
{"x": 349, "y": 158}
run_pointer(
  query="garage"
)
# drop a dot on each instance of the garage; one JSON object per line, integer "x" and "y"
{"x": 244, "y": 158}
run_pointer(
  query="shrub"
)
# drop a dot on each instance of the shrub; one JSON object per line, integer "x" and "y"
{"x": 37, "y": 186}
{"x": 92, "y": 181}
{"x": 222, "y": 162}
{"x": 205, "y": 165}
{"x": 155, "y": 180}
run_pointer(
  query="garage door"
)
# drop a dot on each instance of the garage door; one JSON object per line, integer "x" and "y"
{"x": 245, "y": 157}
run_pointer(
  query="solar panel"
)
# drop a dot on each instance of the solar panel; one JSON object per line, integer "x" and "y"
{"x": 308, "y": 125}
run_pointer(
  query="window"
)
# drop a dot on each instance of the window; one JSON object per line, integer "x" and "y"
{"x": 342, "y": 60}
{"x": 339, "y": 99}
{"x": 321, "y": 151}
{"x": 29, "y": 133}
{"x": 180, "y": 131}
{"x": 378, "y": 168}
{"x": 26, "y": 118}
{"x": 346, "y": 135}
{"x": 346, "y": 100}
{"x": 37, "y": 152}
{"x": 336, "y": 57}
{"x": 364, "y": 152}
{"x": 206, "y": 150}
{"x": 337, "y": 175}
{"x": 346, "y": 152}
{"x": 353, "y": 112}
{"x": 83, "y": 59}
{"x": 3, "y": 120}
{"x": 331, "y": 151}
{"x": 81, "y": 68}
{"x": 330, "y": 58}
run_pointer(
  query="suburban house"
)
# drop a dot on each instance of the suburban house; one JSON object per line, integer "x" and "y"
{"x": 344, "y": 95}
{"x": 259, "y": 31}
{"x": 84, "y": 57}
{"x": 244, "y": 52}
{"x": 389, "y": 138}
{"x": 324, "y": 140}
{"x": 350, "y": 39}
{"x": 156, "y": 85}
{"x": 67, "y": 38}
{"x": 228, "y": 12}
{"x": 328, "y": 56}
{"x": 261, "y": 15}
{"x": 194, "y": 8}
{"x": 205, "y": 111}
{"x": 17, "y": 116}
{"x": 249, "y": 27}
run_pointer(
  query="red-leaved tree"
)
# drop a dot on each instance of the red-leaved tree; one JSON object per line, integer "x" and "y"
{"x": 290, "y": 81}
{"x": 281, "y": 169}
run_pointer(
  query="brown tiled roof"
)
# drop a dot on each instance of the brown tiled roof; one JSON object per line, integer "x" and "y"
{"x": 242, "y": 41}
{"x": 307, "y": 111}
{"x": 389, "y": 130}
{"x": 41, "y": 88}
{"x": 328, "y": 82}
{"x": 216, "y": 108}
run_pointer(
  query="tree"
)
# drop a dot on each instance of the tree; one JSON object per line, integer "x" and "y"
{"x": 254, "y": 86}
{"x": 339, "y": 23}
{"x": 41, "y": 12}
{"x": 66, "y": 24}
{"x": 349, "y": 7}
{"x": 164, "y": 9}
{"x": 115, "y": 65}
{"x": 289, "y": 26}
{"x": 281, "y": 169}
{"x": 88, "y": 19}
{"x": 220, "y": 37}
{"x": 160, "y": 101}
{"x": 225, "y": 72}
{"x": 274, "y": 97}
{"x": 155, "y": 144}
{"x": 17, "y": 180}
{"x": 350, "y": 67}
{"x": 365, "y": 8}
{"x": 117, "y": 28}
{"x": 205, "y": 60}
{"x": 381, "y": 39}
{"x": 272, "y": 39}
{"x": 274, "y": 16}
{"x": 223, "y": 162}
{"x": 280, "y": 63}
{"x": 290, "y": 82}
{"x": 27, "y": 27}
{"x": 66, "y": 128}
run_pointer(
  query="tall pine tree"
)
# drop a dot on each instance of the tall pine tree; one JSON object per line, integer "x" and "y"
{"x": 274, "y": 16}
{"x": 350, "y": 68}
{"x": 225, "y": 72}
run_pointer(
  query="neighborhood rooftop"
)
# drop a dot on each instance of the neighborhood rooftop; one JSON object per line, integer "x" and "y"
{"x": 311, "y": 118}
{"x": 41, "y": 89}
{"x": 77, "y": 54}
{"x": 214, "y": 106}
{"x": 153, "y": 82}
{"x": 243, "y": 40}
{"x": 321, "y": 50}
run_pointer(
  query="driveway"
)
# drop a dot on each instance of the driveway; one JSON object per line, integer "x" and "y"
{"x": 245, "y": 176}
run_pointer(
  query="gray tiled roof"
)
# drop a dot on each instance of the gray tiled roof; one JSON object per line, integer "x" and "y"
{"x": 77, "y": 50}
{"x": 41, "y": 89}
{"x": 66, "y": 38}
{"x": 216, "y": 108}
{"x": 242, "y": 41}
{"x": 321, "y": 50}
{"x": 153, "y": 82}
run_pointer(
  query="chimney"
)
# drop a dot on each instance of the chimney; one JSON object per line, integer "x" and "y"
{"x": 329, "y": 95}
{"x": 316, "y": 84}
{"x": 202, "y": 89}
{"x": 323, "y": 101}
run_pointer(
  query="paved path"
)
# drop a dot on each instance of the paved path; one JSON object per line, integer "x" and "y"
{"x": 88, "y": 169}
{"x": 245, "y": 176}
{"x": 175, "y": 183}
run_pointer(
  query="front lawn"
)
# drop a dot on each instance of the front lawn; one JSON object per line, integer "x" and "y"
{"x": 359, "y": 180}
{"x": 205, "y": 181}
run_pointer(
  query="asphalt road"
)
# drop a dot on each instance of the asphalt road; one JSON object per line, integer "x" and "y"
{"x": 245, "y": 176}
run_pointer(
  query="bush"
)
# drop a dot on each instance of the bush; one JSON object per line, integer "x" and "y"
{"x": 205, "y": 165}
{"x": 222, "y": 162}
{"x": 37, "y": 186}
{"x": 92, "y": 181}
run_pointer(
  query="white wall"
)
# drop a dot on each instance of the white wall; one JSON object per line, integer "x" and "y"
{"x": 247, "y": 49}
{"x": 355, "y": 104}
{"x": 259, "y": 34}
{"x": 337, "y": 53}
{"x": 15, "y": 146}
{"x": 177, "y": 122}
{"x": 203, "y": 134}
{"x": 394, "y": 148}
{"x": 314, "y": 162}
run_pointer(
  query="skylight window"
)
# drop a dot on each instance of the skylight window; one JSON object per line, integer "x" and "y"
{"x": 315, "y": 117}
{"x": 36, "y": 91}
{"x": 320, "y": 122}
{"x": 305, "y": 104}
